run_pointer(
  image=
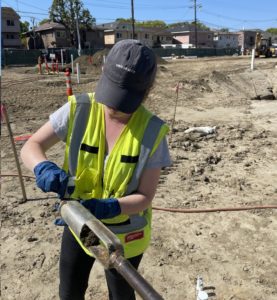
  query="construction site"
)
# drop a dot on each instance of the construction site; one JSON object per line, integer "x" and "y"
{"x": 214, "y": 213}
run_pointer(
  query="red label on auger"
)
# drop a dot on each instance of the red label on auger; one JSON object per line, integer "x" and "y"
{"x": 134, "y": 236}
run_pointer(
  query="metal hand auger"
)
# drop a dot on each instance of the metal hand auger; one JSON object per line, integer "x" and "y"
{"x": 105, "y": 246}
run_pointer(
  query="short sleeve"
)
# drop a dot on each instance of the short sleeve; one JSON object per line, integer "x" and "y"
{"x": 59, "y": 121}
{"x": 160, "y": 158}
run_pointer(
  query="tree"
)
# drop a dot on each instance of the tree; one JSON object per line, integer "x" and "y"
{"x": 24, "y": 27}
{"x": 224, "y": 29}
{"x": 124, "y": 20}
{"x": 44, "y": 21}
{"x": 179, "y": 24}
{"x": 272, "y": 30}
{"x": 151, "y": 23}
{"x": 70, "y": 13}
{"x": 200, "y": 25}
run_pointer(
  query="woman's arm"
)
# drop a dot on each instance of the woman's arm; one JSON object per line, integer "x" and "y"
{"x": 139, "y": 201}
{"x": 33, "y": 152}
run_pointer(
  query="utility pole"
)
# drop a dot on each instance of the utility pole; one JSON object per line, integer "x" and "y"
{"x": 133, "y": 19}
{"x": 76, "y": 8}
{"x": 78, "y": 35}
{"x": 195, "y": 24}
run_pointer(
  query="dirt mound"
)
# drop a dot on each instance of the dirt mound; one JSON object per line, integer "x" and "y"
{"x": 92, "y": 63}
{"x": 98, "y": 57}
{"x": 83, "y": 60}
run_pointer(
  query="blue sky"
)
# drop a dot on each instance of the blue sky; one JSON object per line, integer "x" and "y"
{"x": 235, "y": 14}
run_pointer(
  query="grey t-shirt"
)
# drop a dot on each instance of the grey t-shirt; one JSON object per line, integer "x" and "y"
{"x": 59, "y": 121}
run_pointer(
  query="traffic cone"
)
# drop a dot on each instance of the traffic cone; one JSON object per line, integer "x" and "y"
{"x": 68, "y": 82}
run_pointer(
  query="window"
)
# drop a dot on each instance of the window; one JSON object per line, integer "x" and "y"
{"x": 60, "y": 34}
{"x": 10, "y": 22}
{"x": 146, "y": 36}
{"x": 209, "y": 36}
{"x": 10, "y": 36}
{"x": 118, "y": 35}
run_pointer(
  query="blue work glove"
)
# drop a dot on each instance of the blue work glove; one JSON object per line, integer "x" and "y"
{"x": 60, "y": 222}
{"x": 51, "y": 178}
{"x": 102, "y": 208}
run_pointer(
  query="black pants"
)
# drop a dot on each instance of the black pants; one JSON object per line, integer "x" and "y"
{"x": 75, "y": 267}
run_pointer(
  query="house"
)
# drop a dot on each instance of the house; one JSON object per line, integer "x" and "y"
{"x": 187, "y": 37}
{"x": 226, "y": 40}
{"x": 55, "y": 35}
{"x": 92, "y": 38}
{"x": 152, "y": 37}
{"x": 10, "y": 28}
{"x": 47, "y": 35}
{"x": 247, "y": 40}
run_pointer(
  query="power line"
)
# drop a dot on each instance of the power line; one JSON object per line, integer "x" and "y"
{"x": 30, "y": 5}
{"x": 126, "y": 5}
{"x": 235, "y": 19}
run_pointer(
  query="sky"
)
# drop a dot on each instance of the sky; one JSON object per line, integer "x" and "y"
{"x": 216, "y": 14}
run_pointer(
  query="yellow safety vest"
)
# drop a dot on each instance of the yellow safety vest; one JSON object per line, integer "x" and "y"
{"x": 84, "y": 160}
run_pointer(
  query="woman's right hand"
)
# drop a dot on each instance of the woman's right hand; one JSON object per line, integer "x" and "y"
{"x": 51, "y": 178}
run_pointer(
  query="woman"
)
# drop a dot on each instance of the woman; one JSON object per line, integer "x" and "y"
{"x": 114, "y": 152}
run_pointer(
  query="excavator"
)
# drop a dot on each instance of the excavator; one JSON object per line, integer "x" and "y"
{"x": 263, "y": 46}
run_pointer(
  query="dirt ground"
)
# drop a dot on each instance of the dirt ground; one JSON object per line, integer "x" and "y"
{"x": 236, "y": 166}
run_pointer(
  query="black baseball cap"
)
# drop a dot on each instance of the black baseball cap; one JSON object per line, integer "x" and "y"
{"x": 128, "y": 73}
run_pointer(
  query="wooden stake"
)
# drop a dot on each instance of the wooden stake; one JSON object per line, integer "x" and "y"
{"x": 6, "y": 118}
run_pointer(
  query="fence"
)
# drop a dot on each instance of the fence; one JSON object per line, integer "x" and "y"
{"x": 30, "y": 57}
{"x": 199, "y": 52}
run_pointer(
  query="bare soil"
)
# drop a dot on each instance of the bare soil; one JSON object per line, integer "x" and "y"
{"x": 234, "y": 251}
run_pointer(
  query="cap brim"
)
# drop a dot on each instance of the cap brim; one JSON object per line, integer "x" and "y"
{"x": 119, "y": 98}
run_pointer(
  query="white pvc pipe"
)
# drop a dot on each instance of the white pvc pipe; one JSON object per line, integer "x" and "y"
{"x": 78, "y": 72}
{"x": 72, "y": 66}
{"x": 252, "y": 59}
{"x": 62, "y": 57}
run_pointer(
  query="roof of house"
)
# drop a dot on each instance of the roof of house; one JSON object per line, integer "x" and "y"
{"x": 187, "y": 28}
{"x": 9, "y": 10}
{"x": 49, "y": 26}
{"x": 119, "y": 25}
{"x": 55, "y": 26}
{"x": 225, "y": 33}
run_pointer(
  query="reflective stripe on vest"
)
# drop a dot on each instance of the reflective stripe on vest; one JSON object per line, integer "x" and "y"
{"x": 149, "y": 138}
{"x": 79, "y": 128}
